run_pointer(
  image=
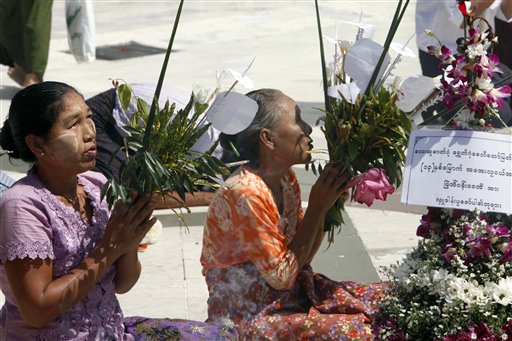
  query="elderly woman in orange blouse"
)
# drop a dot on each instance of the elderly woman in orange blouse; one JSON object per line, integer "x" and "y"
{"x": 258, "y": 243}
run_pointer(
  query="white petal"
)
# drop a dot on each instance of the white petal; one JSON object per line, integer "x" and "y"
{"x": 368, "y": 28}
{"x": 231, "y": 112}
{"x": 330, "y": 40}
{"x": 402, "y": 49}
{"x": 349, "y": 91}
{"x": 243, "y": 80}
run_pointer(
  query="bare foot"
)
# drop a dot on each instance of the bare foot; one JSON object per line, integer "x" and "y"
{"x": 31, "y": 78}
{"x": 14, "y": 73}
{"x": 20, "y": 76}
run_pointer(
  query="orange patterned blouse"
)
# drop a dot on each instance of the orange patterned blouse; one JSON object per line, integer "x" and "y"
{"x": 244, "y": 225}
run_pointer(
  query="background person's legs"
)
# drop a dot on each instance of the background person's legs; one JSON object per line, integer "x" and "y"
{"x": 25, "y": 28}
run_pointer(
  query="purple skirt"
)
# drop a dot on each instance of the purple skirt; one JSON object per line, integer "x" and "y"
{"x": 143, "y": 328}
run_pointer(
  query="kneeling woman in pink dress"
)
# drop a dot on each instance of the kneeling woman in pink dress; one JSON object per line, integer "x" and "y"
{"x": 258, "y": 243}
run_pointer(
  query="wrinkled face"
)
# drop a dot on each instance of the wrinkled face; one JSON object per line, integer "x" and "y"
{"x": 291, "y": 137}
{"x": 71, "y": 145}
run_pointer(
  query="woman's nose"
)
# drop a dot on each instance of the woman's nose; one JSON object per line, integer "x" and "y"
{"x": 90, "y": 131}
{"x": 306, "y": 128}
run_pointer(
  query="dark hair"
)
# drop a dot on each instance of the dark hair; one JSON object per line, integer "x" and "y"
{"x": 246, "y": 142}
{"x": 33, "y": 110}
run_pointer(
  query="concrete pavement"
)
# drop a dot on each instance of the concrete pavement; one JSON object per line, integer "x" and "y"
{"x": 214, "y": 35}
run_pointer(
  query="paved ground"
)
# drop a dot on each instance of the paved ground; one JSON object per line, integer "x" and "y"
{"x": 214, "y": 35}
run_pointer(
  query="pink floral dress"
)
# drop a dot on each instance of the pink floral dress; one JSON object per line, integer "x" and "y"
{"x": 253, "y": 278}
{"x": 35, "y": 224}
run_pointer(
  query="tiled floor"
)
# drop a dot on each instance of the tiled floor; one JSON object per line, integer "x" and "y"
{"x": 171, "y": 284}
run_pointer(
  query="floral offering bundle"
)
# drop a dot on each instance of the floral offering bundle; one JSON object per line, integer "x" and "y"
{"x": 364, "y": 128}
{"x": 457, "y": 283}
{"x": 159, "y": 156}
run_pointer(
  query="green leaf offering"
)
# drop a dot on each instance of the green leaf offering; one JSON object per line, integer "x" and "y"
{"x": 159, "y": 151}
{"x": 167, "y": 164}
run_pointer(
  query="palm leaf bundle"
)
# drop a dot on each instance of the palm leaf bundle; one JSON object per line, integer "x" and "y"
{"x": 159, "y": 151}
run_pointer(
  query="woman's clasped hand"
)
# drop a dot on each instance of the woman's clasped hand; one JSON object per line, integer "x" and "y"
{"x": 128, "y": 225}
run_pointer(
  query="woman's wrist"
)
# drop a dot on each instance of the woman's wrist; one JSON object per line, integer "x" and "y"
{"x": 128, "y": 269}
{"x": 109, "y": 249}
{"x": 317, "y": 207}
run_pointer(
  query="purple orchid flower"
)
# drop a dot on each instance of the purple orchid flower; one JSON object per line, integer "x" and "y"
{"x": 507, "y": 254}
{"x": 497, "y": 231}
{"x": 424, "y": 230}
{"x": 483, "y": 332}
{"x": 507, "y": 328}
{"x": 474, "y": 36}
{"x": 478, "y": 249}
{"x": 500, "y": 93}
{"x": 467, "y": 230}
{"x": 489, "y": 65}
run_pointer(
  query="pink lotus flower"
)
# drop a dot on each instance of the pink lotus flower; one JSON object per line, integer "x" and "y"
{"x": 372, "y": 184}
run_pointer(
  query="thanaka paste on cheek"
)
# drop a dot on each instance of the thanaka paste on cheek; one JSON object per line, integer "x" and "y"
{"x": 63, "y": 146}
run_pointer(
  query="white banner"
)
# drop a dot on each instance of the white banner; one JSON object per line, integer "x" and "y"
{"x": 459, "y": 169}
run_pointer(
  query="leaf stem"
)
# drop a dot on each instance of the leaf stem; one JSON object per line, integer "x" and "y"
{"x": 322, "y": 59}
{"x": 399, "y": 13}
{"x": 151, "y": 118}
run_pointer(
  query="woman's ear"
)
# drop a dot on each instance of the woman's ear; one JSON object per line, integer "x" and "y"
{"x": 35, "y": 144}
{"x": 266, "y": 137}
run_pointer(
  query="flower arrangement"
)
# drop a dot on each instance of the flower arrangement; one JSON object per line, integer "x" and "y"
{"x": 364, "y": 128}
{"x": 466, "y": 82}
{"x": 456, "y": 284}
{"x": 159, "y": 156}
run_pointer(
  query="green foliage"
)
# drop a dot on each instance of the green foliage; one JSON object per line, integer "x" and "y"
{"x": 376, "y": 138}
{"x": 160, "y": 159}
{"x": 167, "y": 163}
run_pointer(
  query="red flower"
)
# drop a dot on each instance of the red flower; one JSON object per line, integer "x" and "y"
{"x": 462, "y": 8}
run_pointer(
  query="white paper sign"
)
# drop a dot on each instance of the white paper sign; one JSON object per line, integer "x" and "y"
{"x": 459, "y": 169}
